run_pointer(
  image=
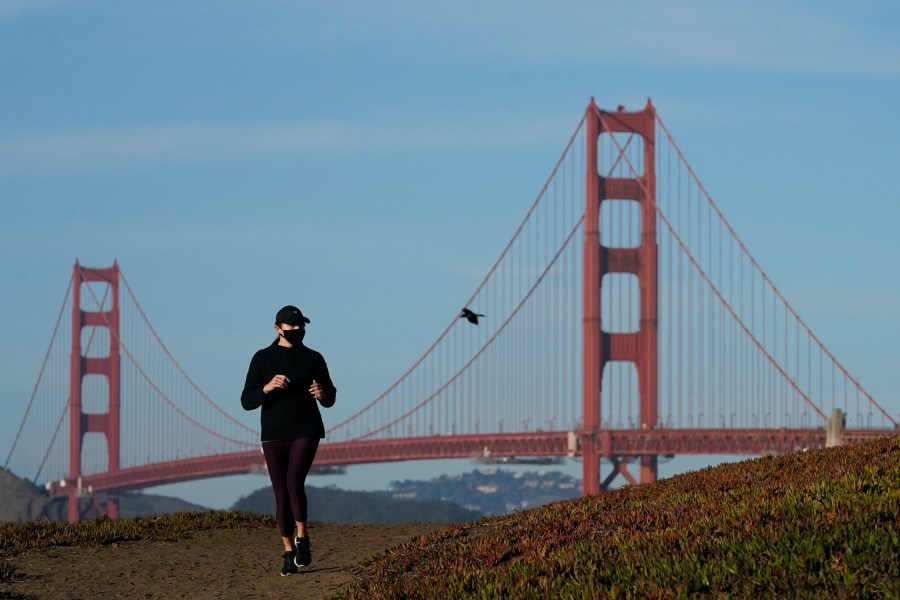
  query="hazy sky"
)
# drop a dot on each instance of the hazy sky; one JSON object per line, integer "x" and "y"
{"x": 368, "y": 161}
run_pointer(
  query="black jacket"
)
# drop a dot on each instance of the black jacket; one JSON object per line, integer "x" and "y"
{"x": 291, "y": 413}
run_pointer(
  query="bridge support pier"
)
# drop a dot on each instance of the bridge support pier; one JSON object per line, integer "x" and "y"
{"x": 79, "y": 506}
{"x": 835, "y": 428}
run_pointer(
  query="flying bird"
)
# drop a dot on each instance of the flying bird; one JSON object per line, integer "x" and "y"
{"x": 471, "y": 316}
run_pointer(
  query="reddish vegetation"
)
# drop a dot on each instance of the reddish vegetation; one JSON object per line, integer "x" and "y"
{"x": 814, "y": 524}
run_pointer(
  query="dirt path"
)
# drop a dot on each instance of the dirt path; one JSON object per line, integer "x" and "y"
{"x": 208, "y": 564}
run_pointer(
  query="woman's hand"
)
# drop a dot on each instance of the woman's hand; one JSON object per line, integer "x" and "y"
{"x": 279, "y": 381}
{"x": 316, "y": 390}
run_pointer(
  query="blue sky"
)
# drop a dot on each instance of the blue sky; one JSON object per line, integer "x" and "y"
{"x": 368, "y": 162}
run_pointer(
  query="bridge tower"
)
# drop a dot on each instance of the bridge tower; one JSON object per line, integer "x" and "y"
{"x": 81, "y": 365}
{"x": 602, "y": 347}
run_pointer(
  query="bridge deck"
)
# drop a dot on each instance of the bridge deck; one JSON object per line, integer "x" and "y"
{"x": 616, "y": 443}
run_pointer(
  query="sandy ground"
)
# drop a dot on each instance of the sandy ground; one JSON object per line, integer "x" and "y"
{"x": 207, "y": 564}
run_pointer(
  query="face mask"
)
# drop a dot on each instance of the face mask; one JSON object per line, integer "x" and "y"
{"x": 294, "y": 336}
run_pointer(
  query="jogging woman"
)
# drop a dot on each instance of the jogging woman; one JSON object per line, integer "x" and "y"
{"x": 286, "y": 379}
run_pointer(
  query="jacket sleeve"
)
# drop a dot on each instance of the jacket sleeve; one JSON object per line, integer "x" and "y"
{"x": 330, "y": 392}
{"x": 253, "y": 395}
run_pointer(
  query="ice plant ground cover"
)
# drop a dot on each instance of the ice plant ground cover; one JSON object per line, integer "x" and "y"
{"x": 818, "y": 524}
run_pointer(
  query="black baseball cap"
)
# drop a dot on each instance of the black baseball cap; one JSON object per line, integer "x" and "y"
{"x": 290, "y": 315}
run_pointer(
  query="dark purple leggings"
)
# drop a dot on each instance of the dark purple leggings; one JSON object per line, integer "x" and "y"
{"x": 288, "y": 464}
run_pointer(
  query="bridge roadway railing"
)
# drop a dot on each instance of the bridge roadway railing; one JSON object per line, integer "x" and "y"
{"x": 614, "y": 443}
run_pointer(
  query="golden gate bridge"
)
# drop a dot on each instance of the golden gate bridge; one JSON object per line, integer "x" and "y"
{"x": 625, "y": 320}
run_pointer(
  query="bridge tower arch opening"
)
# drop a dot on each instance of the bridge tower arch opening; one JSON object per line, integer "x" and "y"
{"x": 92, "y": 313}
{"x": 619, "y": 174}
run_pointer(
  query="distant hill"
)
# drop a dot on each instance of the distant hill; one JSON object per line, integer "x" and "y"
{"x": 21, "y": 500}
{"x": 493, "y": 491}
{"x": 341, "y": 506}
{"x": 445, "y": 499}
